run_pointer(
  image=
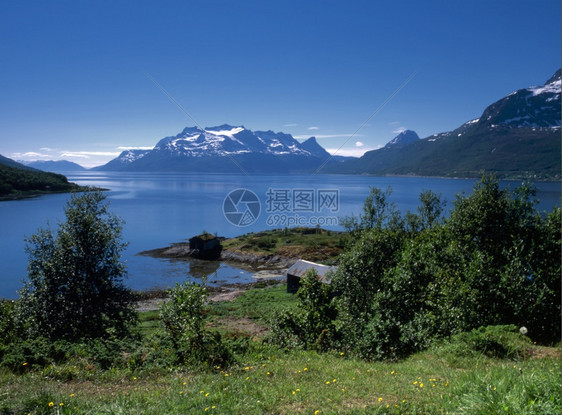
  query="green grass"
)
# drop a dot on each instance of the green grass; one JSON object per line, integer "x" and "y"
{"x": 259, "y": 305}
{"x": 267, "y": 380}
{"x": 313, "y": 244}
{"x": 149, "y": 321}
{"x": 301, "y": 382}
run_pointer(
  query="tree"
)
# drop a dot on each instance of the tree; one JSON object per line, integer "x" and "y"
{"x": 378, "y": 212}
{"x": 74, "y": 287}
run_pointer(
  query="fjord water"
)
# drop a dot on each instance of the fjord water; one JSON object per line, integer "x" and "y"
{"x": 162, "y": 208}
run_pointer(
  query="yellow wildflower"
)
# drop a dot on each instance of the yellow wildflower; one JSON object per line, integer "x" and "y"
{"x": 380, "y": 399}
{"x": 51, "y": 404}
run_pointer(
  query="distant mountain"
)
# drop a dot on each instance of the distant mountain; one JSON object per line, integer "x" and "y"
{"x": 5, "y": 161}
{"x": 404, "y": 138}
{"x": 17, "y": 180}
{"x": 224, "y": 148}
{"x": 516, "y": 137}
{"x": 312, "y": 146}
{"x": 59, "y": 166}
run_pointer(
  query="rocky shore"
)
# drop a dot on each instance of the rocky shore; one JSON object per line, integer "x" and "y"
{"x": 244, "y": 259}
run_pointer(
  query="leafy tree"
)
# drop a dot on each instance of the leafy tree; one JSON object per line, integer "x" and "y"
{"x": 430, "y": 209}
{"x": 74, "y": 287}
{"x": 378, "y": 212}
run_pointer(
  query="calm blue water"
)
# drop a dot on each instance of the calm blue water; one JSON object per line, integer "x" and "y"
{"x": 162, "y": 208}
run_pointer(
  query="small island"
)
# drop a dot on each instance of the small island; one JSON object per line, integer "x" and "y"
{"x": 271, "y": 249}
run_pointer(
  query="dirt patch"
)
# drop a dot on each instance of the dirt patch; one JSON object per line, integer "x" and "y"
{"x": 241, "y": 326}
{"x": 150, "y": 305}
{"x": 228, "y": 296}
{"x": 542, "y": 352}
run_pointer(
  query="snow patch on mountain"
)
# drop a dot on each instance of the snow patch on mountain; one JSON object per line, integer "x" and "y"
{"x": 551, "y": 88}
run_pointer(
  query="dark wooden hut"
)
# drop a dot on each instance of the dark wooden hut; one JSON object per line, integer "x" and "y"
{"x": 205, "y": 246}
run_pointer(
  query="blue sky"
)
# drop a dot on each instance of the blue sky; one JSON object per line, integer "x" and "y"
{"x": 74, "y": 75}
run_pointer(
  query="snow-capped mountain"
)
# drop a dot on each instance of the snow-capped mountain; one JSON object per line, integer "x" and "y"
{"x": 529, "y": 107}
{"x": 224, "y": 148}
{"x": 516, "y": 136}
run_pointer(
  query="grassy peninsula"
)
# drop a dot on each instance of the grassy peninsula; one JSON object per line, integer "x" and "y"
{"x": 16, "y": 182}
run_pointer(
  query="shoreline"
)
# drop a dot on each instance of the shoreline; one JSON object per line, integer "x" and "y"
{"x": 250, "y": 261}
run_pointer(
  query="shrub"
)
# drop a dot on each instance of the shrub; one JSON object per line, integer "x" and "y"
{"x": 23, "y": 355}
{"x": 184, "y": 322}
{"x": 500, "y": 342}
{"x": 7, "y": 324}
{"x": 313, "y": 324}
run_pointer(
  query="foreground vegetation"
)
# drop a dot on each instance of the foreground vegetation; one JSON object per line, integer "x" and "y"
{"x": 497, "y": 370}
{"x": 424, "y": 315}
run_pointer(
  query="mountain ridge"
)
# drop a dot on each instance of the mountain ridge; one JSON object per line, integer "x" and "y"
{"x": 224, "y": 148}
{"x": 517, "y": 136}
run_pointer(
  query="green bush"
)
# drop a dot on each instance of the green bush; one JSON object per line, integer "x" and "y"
{"x": 7, "y": 323}
{"x": 183, "y": 318}
{"x": 23, "y": 355}
{"x": 402, "y": 283}
{"x": 500, "y": 342}
{"x": 312, "y": 326}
